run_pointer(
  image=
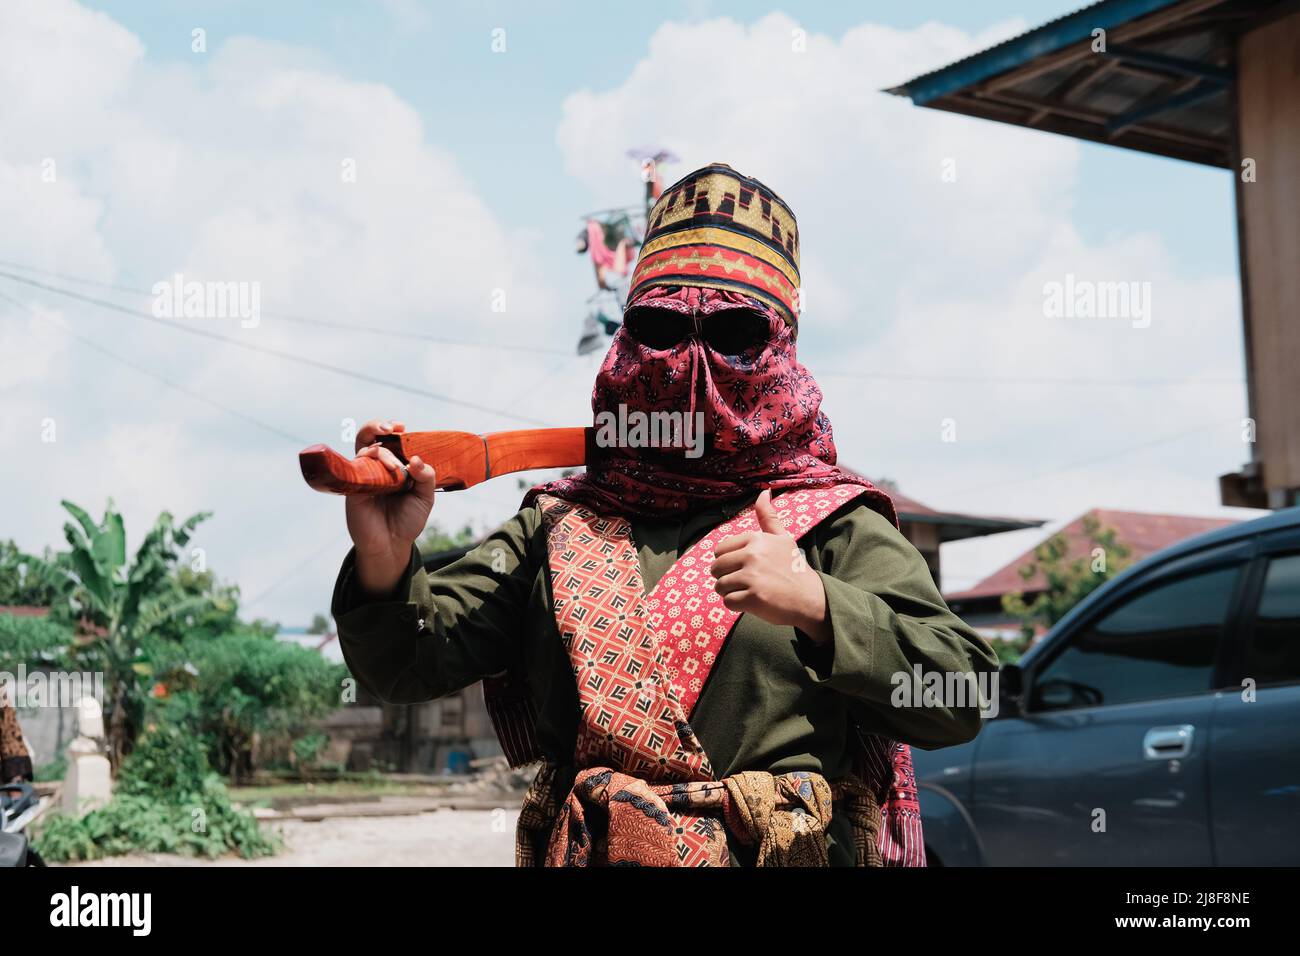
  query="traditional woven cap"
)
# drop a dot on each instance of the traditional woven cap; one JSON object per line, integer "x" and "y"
{"x": 717, "y": 229}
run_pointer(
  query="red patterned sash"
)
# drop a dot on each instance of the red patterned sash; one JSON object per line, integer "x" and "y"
{"x": 641, "y": 661}
{"x": 632, "y": 720}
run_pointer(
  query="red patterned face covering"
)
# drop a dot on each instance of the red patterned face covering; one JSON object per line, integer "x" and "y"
{"x": 762, "y": 407}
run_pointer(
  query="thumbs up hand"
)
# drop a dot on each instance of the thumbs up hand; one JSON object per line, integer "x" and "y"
{"x": 764, "y": 573}
{"x": 768, "y": 522}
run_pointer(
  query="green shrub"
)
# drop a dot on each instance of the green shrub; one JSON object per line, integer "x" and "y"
{"x": 33, "y": 641}
{"x": 208, "y": 825}
{"x": 169, "y": 759}
{"x": 248, "y": 687}
{"x": 168, "y": 800}
{"x": 307, "y": 749}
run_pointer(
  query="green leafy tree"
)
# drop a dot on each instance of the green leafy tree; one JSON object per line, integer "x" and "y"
{"x": 27, "y": 580}
{"x": 1068, "y": 581}
{"x": 319, "y": 624}
{"x": 199, "y": 605}
{"x": 124, "y": 603}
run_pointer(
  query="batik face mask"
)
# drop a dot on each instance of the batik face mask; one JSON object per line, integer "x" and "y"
{"x": 676, "y": 353}
{"x": 720, "y": 353}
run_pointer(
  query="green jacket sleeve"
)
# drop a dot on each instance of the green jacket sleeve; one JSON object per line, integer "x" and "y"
{"x": 456, "y": 626}
{"x": 887, "y": 619}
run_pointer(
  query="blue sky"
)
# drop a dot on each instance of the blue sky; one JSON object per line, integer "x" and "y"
{"x": 926, "y": 297}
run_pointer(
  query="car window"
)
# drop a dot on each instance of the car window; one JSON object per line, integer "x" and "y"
{"x": 1274, "y": 655}
{"x": 1159, "y": 643}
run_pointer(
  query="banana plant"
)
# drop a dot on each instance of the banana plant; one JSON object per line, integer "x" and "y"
{"x": 123, "y": 602}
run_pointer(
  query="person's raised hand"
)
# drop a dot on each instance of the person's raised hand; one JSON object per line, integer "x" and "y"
{"x": 383, "y": 527}
{"x": 764, "y": 573}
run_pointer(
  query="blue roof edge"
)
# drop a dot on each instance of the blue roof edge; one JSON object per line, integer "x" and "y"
{"x": 1009, "y": 54}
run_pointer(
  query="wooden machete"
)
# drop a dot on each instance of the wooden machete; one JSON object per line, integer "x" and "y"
{"x": 461, "y": 459}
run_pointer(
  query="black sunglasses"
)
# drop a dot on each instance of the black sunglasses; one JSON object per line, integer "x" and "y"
{"x": 730, "y": 332}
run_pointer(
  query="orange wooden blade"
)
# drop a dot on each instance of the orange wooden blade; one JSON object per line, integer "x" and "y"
{"x": 461, "y": 459}
{"x": 523, "y": 450}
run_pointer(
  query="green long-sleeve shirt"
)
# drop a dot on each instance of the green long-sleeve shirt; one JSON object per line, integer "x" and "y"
{"x": 774, "y": 701}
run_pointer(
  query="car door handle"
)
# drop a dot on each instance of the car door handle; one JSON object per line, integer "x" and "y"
{"x": 1166, "y": 743}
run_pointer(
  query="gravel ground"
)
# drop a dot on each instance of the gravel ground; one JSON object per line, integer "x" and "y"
{"x": 440, "y": 838}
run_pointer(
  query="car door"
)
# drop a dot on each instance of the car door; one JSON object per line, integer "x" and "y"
{"x": 1255, "y": 738}
{"x": 1106, "y": 765}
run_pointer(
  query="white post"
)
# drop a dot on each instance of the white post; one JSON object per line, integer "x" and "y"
{"x": 88, "y": 782}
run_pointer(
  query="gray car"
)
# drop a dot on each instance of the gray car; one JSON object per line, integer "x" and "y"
{"x": 1158, "y": 724}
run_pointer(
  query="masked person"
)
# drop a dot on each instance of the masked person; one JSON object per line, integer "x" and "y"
{"x": 702, "y": 650}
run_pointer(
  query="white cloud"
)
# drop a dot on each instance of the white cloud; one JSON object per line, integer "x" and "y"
{"x": 30, "y": 343}
{"x": 232, "y": 168}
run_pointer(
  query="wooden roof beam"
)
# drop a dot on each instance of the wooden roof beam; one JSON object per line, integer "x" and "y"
{"x": 1186, "y": 148}
{"x": 1126, "y": 33}
{"x": 1099, "y": 120}
{"x": 1179, "y": 93}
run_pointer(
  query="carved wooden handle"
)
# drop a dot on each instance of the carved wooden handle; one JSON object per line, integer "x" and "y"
{"x": 326, "y": 470}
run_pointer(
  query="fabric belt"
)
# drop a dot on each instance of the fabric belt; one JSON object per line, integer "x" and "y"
{"x": 610, "y": 818}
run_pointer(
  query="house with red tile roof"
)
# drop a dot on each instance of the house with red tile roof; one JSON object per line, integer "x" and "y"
{"x": 1141, "y": 532}
{"x": 24, "y": 610}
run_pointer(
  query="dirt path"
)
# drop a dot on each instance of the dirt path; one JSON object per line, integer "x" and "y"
{"x": 440, "y": 838}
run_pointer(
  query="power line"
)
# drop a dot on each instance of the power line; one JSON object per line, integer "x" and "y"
{"x": 277, "y": 353}
{"x": 531, "y": 389}
{"x": 1097, "y": 459}
{"x": 295, "y": 570}
{"x": 90, "y": 343}
{"x": 1068, "y": 381}
{"x": 308, "y": 320}
{"x": 1053, "y": 380}
{"x": 437, "y": 397}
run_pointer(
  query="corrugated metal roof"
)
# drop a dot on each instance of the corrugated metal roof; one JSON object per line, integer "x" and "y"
{"x": 1048, "y": 38}
{"x": 1161, "y": 82}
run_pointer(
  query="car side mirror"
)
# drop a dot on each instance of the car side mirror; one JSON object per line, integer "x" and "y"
{"x": 1011, "y": 688}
